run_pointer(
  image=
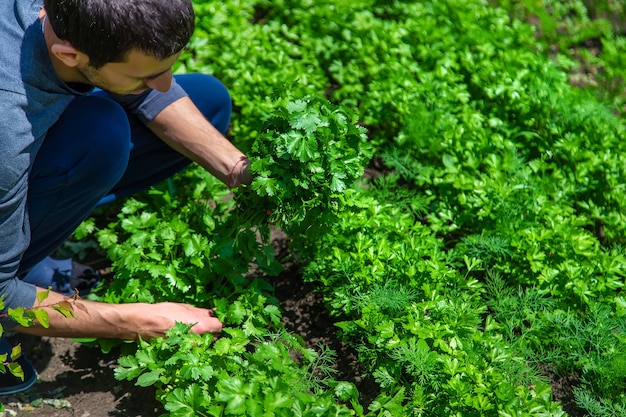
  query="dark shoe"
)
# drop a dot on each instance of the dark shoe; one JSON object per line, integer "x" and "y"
{"x": 10, "y": 384}
{"x": 64, "y": 276}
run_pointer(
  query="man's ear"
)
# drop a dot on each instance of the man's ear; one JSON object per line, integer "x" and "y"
{"x": 69, "y": 55}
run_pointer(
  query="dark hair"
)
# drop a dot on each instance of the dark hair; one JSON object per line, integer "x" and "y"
{"x": 107, "y": 30}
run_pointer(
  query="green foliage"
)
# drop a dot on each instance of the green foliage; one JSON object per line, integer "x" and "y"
{"x": 419, "y": 324}
{"x": 589, "y": 38}
{"x": 238, "y": 374}
{"x": 186, "y": 248}
{"x": 482, "y": 252}
{"x": 161, "y": 249}
{"x": 599, "y": 407}
{"x": 306, "y": 156}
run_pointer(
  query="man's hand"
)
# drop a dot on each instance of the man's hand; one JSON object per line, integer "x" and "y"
{"x": 165, "y": 315}
{"x": 120, "y": 321}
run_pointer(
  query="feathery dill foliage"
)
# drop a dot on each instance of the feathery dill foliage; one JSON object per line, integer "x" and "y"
{"x": 487, "y": 248}
{"x": 390, "y": 296}
{"x": 599, "y": 407}
{"x": 389, "y": 187}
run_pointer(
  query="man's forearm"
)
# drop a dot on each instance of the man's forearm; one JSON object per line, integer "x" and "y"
{"x": 182, "y": 126}
{"x": 118, "y": 321}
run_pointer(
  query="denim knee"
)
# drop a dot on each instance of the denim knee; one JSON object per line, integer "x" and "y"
{"x": 106, "y": 143}
{"x": 81, "y": 159}
{"x": 89, "y": 144}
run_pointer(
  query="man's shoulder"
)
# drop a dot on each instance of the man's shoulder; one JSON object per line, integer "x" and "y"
{"x": 14, "y": 23}
{"x": 29, "y": 87}
{"x": 17, "y": 15}
{"x": 22, "y": 11}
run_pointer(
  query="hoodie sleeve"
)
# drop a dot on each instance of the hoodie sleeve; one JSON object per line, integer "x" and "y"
{"x": 16, "y": 148}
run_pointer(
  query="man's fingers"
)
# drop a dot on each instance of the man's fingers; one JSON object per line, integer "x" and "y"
{"x": 213, "y": 325}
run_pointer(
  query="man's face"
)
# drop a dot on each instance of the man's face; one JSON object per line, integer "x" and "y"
{"x": 137, "y": 74}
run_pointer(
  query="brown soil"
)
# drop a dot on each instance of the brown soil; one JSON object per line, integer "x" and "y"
{"x": 75, "y": 380}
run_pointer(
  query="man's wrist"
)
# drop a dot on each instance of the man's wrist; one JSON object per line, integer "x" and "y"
{"x": 239, "y": 173}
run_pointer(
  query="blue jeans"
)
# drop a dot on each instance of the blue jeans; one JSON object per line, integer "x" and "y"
{"x": 97, "y": 153}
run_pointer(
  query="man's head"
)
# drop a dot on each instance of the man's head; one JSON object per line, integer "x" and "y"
{"x": 108, "y": 30}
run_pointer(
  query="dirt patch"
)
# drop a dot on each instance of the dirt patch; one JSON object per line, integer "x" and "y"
{"x": 304, "y": 314}
{"x": 76, "y": 380}
{"x": 563, "y": 391}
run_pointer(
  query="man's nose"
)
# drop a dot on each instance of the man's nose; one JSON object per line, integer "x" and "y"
{"x": 161, "y": 83}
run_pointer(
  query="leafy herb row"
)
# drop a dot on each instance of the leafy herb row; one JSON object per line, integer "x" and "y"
{"x": 487, "y": 255}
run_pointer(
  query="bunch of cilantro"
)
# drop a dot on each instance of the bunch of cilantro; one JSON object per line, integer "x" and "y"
{"x": 305, "y": 160}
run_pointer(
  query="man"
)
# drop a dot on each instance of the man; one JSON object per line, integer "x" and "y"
{"x": 67, "y": 147}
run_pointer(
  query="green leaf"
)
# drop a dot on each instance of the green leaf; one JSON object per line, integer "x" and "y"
{"x": 337, "y": 183}
{"x": 277, "y": 399}
{"x": 309, "y": 122}
{"x": 65, "y": 308}
{"x": 203, "y": 372}
{"x": 274, "y": 313}
{"x": 297, "y": 106}
{"x": 17, "y": 314}
{"x": 16, "y": 370}
{"x": 42, "y": 317}
{"x": 346, "y": 391}
{"x": 42, "y": 295}
{"x": 129, "y": 368}
{"x": 236, "y": 312}
{"x": 187, "y": 403}
{"x": 149, "y": 378}
{"x": 16, "y": 352}
{"x": 147, "y": 357}
{"x": 266, "y": 186}
{"x": 250, "y": 329}
{"x": 222, "y": 346}
{"x": 232, "y": 391}
{"x": 302, "y": 147}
